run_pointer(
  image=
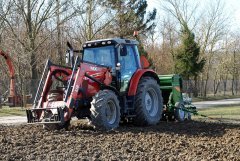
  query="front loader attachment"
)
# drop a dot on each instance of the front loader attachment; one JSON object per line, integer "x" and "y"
{"x": 32, "y": 116}
{"x": 51, "y": 101}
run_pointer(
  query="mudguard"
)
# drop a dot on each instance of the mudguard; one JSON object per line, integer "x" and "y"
{"x": 137, "y": 76}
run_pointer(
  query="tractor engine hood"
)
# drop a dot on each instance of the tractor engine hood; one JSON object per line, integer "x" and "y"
{"x": 96, "y": 71}
{"x": 89, "y": 79}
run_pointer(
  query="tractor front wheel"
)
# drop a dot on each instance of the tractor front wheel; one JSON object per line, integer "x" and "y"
{"x": 105, "y": 110}
{"x": 148, "y": 104}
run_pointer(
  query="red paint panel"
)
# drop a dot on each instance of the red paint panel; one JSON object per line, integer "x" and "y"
{"x": 135, "y": 80}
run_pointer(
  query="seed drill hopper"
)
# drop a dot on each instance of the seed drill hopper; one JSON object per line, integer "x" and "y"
{"x": 175, "y": 105}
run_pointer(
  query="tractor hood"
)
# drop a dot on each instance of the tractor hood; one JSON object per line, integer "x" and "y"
{"x": 89, "y": 78}
{"x": 87, "y": 66}
{"x": 94, "y": 70}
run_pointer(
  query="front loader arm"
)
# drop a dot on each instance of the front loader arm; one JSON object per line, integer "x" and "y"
{"x": 74, "y": 85}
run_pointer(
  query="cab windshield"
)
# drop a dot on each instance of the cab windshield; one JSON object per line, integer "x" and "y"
{"x": 103, "y": 55}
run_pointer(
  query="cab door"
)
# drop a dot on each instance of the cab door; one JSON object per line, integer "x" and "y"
{"x": 129, "y": 64}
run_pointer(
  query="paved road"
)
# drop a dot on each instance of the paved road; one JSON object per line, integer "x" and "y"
{"x": 10, "y": 120}
{"x": 218, "y": 103}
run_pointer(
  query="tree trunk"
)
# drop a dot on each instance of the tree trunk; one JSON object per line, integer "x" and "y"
{"x": 34, "y": 79}
{"x": 31, "y": 52}
{"x": 224, "y": 87}
{"x": 207, "y": 76}
{"x": 236, "y": 88}
{"x": 59, "y": 33}
{"x": 188, "y": 86}
{"x": 233, "y": 86}
{"x": 216, "y": 87}
{"x": 201, "y": 85}
{"x": 89, "y": 23}
{"x": 195, "y": 91}
{"x": 205, "y": 86}
{"x": 216, "y": 84}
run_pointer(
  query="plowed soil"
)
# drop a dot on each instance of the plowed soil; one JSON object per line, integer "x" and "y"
{"x": 195, "y": 140}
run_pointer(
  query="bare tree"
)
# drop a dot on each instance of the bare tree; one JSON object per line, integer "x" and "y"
{"x": 212, "y": 30}
{"x": 64, "y": 13}
{"x": 91, "y": 21}
{"x": 232, "y": 46}
{"x": 25, "y": 21}
{"x": 183, "y": 12}
{"x": 186, "y": 16}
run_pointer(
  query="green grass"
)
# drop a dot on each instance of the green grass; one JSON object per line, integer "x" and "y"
{"x": 12, "y": 111}
{"x": 221, "y": 112}
{"x": 213, "y": 98}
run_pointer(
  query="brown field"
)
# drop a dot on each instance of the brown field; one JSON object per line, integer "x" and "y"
{"x": 193, "y": 140}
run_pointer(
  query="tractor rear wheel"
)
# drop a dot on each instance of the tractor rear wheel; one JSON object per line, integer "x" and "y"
{"x": 105, "y": 110}
{"x": 180, "y": 114}
{"x": 148, "y": 104}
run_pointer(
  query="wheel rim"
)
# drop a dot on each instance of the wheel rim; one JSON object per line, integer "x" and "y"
{"x": 151, "y": 102}
{"x": 181, "y": 113}
{"x": 111, "y": 112}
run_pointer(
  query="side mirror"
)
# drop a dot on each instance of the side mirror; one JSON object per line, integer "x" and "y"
{"x": 69, "y": 54}
{"x": 123, "y": 50}
{"x": 144, "y": 62}
{"x": 67, "y": 57}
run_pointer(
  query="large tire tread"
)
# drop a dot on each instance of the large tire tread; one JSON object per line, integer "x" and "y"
{"x": 142, "y": 118}
{"x": 98, "y": 104}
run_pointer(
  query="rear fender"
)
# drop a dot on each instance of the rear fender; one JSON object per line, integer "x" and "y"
{"x": 132, "y": 90}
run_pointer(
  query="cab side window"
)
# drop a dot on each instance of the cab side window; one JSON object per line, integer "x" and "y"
{"x": 128, "y": 62}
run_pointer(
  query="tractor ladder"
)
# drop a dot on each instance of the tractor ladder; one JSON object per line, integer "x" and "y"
{"x": 71, "y": 81}
{"x": 41, "y": 84}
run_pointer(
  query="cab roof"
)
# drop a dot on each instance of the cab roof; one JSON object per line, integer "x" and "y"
{"x": 114, "y": 41}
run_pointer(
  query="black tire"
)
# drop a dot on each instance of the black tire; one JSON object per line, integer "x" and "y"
{"x": 179, "y": 113}
{"x": 148, "y": 102}
{"x": 105, "y": 110}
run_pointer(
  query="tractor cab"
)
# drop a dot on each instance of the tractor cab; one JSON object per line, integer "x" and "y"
{"x": 120, "y": 55}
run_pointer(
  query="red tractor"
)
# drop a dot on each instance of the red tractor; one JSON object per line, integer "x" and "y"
{"x": 108, "y": 84}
